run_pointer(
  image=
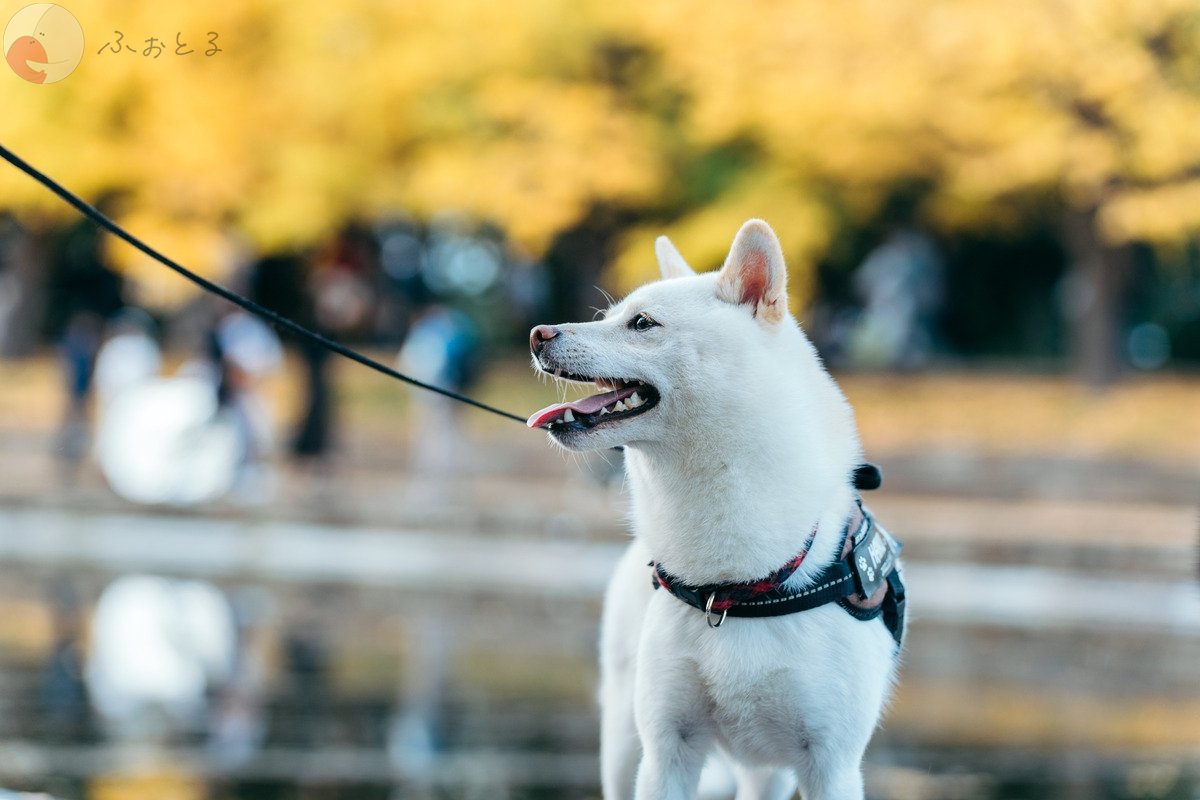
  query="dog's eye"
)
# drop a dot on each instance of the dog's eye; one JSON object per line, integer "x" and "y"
{"x": 642, "y": 323}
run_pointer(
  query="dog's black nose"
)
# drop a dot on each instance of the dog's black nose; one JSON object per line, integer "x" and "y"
{"x": 540, "y": 335}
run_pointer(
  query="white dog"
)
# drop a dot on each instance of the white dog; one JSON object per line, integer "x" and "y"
{"x": 741, "y": 453}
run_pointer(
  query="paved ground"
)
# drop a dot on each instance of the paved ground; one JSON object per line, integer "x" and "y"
{"x": 1032, "y": 596}
{"x": 1055, "y": 599}
{"x": 965, "y": 507}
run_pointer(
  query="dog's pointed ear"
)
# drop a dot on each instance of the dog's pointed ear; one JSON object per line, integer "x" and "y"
{"x": 754, "y": 273}
{"x": 670, "y": 260}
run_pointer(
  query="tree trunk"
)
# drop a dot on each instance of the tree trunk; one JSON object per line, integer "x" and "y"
{"x": 24, "y": 267}
{"x": 1093, "y": 301}
{"x": 576, "y": 261}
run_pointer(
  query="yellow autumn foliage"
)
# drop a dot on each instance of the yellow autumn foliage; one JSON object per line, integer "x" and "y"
{"x": 532, "y": 112}
{"x": 705, "y": 235}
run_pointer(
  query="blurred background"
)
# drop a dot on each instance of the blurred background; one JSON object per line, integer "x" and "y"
{"x": 232, "y": 566}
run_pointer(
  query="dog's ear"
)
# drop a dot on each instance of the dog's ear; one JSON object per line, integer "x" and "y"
{"x": 670, "y": 261}
{"x": 754, "y": 273}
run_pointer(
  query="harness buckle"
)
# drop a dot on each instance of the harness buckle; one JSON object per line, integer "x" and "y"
{"x": 708, "y": 613}
{"x": 873, "y": 558}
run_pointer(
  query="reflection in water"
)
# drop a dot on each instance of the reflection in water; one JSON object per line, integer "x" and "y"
{"x": 327, "y": 662}
{"x": 159, "y": 648}
{"x": 490, "y": 708}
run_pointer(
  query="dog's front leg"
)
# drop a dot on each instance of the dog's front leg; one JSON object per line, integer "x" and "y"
{"x": 672, "y": 761}
{"x": 839, "y": 778}
{"x": 673, "y": 722}
{"x": 629, "y": 595}
{"x": 764, "y": 783}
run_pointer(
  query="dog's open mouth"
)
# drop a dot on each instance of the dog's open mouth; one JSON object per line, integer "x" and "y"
{"x": 620, "y": 399}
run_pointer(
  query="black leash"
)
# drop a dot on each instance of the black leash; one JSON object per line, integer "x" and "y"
{"x": 90, "y": 211}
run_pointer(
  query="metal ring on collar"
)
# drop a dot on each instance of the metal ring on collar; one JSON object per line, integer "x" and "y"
{"x": 708, "y": 614}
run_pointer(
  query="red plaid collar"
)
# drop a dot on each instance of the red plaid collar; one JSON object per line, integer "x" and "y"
{"x": 728, "y": 595}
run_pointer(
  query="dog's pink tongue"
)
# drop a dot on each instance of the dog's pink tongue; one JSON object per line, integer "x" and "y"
{"x": 588, "y": 405}
{"x": 541, "y": 419}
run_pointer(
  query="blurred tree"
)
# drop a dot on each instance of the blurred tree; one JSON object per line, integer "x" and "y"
{"x": 312, "y": 113}
{"x": 1084, "y": 110}
{"x": 535, "y": 114}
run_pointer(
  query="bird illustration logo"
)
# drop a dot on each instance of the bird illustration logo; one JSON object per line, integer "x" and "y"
{"x": 43, "y": 43}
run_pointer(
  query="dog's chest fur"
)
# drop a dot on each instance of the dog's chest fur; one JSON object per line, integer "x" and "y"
{"x": 767, "y": 684}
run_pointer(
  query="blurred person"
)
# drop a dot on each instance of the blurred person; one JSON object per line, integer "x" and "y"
{"x": 244, "y": 350}
{"x": 403, "y": 259}
{"x": 164, "y": 440}
{"x": 312, "y": 440}
{"x": 238, "y": 721}
{"x": 344, "y": 283}
{"x": 312, "y": 435}
{"x": 194, "y": 436}
{"x": 129, "y": 355}
{"x": 286, "y": 283}
{"x": 900, "y": 283}
{"x": 441, "y": 349}
{"x": 413, "y": 742}
{"x": 303, "y": 707}
{"x": 86, "y": 292}
{"x": 333, "y": 295}
{"x": 65, "y": 702}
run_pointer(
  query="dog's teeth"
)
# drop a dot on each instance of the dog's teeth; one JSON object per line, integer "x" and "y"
{"x": 603, "y": 411}
{"x": 620, "y": 406}
{"x": 635, "y": 401}
{"x": 568, "y": 416}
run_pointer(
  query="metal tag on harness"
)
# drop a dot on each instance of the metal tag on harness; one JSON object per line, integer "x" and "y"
{"x": 874, "y": 558}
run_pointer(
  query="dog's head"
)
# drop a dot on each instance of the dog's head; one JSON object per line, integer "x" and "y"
{"x": 686, "y": 353}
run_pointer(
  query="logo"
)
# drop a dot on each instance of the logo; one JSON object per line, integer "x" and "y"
{"x": 43, "y": 43}
{"x": 868, "y": 569}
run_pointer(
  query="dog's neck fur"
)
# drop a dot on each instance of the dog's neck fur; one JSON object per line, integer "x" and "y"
{"x": 731, "y": 499}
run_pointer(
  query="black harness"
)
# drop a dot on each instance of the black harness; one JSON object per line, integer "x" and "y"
{"x": 870, "y": 561}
